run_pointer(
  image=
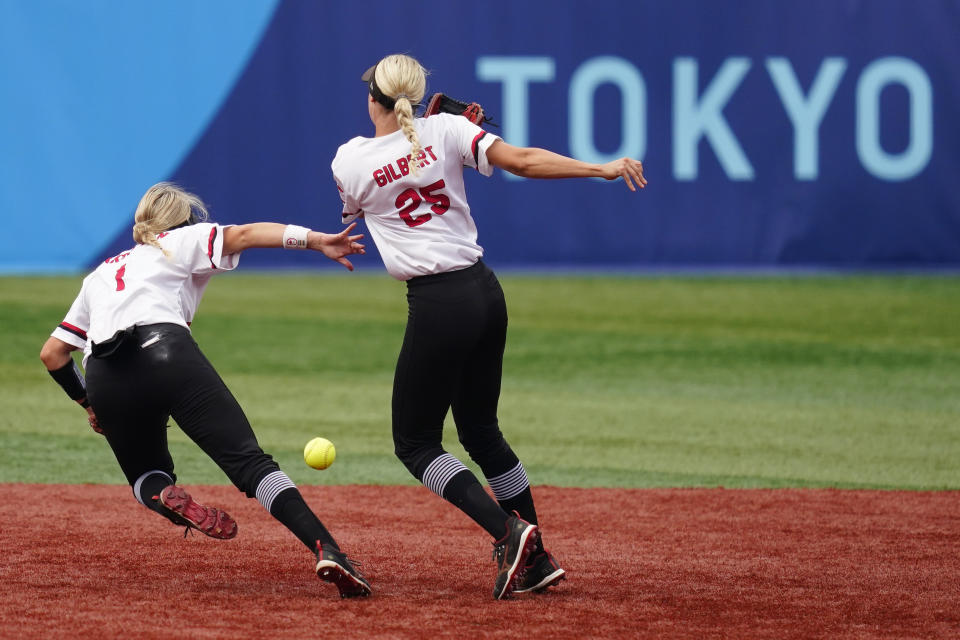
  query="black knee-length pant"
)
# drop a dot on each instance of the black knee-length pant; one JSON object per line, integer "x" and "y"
{"x": 159, "y": 372}
{"x": 452, "y": 357}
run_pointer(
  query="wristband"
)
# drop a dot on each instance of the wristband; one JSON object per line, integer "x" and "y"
{"x": 68, "y": 376}
{"x": 295, "y": 237}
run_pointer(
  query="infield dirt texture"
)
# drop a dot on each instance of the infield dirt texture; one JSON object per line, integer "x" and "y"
{"x": 658, "y": 563}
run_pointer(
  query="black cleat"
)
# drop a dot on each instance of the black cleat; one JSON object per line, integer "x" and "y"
{"x": 511, "y": 552}
{"x": 542, "y": 571}
{"x": 334, "y": 566}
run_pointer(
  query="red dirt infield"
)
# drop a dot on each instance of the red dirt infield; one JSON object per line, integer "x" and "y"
{"x": 87, "y": 561}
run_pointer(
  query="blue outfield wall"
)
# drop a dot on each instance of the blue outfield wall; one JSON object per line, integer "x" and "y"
{"x": 774, "y": 133}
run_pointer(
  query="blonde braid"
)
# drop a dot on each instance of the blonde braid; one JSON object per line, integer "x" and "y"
{"x": 403, "y": 79}
{"x": 162, "y": 207}
{"x": 404, "y": 111}
{"x": 142, "y": 234}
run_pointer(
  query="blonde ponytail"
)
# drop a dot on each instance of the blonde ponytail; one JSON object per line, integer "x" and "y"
{"x": 162, "y": 207}
{"x": 404, "y": 111}
{"x": 402, "y": 79}
{"x": 143, "y": 235}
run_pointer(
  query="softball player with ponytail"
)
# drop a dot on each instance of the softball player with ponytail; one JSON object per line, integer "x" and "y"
{"x": 142, "y": 366}
{"x": 406, "y": 182}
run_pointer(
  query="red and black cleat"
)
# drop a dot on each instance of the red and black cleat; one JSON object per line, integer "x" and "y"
{"x": 542, "y": 571}
{"x": 207, "y": 520}
{"x": 334, "y": 566}
{"x": 511, "y": 553}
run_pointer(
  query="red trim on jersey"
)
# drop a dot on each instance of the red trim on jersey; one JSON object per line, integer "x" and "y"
{"x": 77, "y": 331}
{"x": 475, "y": 148}
{"x": 213, "y": 236}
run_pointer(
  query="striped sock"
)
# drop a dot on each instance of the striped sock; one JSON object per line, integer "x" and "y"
{"x": 512, "y": 490}
{"x": 278, "y": 495}
{"x": 451, "y": 480}
{"x": 510, "y": 484}
{"x": 270, "y": 487}
{"x": 438, "y": 473}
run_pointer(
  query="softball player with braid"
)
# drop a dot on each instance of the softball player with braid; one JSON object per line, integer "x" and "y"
{"x": 142, "y": 366}
{"x": 407, "y": 184}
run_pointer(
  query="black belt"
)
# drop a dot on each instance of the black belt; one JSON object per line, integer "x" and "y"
{"x": 127, "y": 338}
{"x": 473, "y": 270}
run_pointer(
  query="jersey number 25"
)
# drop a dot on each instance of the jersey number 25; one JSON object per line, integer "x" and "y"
{"x": 439, "y": 203}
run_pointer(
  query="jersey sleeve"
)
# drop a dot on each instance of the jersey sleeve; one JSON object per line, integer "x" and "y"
{"x": 472, "y": 142}
{"x": 351, "y": 207}
{"x": 73, "y": 329}
{"x": 200, "y": 249}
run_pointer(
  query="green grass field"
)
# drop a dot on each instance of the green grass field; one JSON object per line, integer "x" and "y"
{"x": 838, "y": 381}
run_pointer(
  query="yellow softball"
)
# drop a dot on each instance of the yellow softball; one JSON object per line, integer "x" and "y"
{"x": 319, "y": 453}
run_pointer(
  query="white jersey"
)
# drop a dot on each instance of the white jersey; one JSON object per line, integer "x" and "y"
{"x": 420, "y": 223}
{"x": 142, "y": 286}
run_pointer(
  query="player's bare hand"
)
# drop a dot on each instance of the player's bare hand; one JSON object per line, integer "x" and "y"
{"x": 92, "y": 421}
{"x": 627, "y": 168}
{"x": 337, "y": 246}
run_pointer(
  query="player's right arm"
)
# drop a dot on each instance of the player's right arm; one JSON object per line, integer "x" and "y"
{"x": 531, "y": 162}
{"x": 273, "y": 235}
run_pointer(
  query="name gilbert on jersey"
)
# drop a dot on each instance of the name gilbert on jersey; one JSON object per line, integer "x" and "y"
{"x": 401, "y": 167}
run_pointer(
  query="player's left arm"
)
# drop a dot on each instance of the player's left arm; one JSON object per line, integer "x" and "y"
{"x": 57, "y": 356}
{"x": 351, "y": 208}
{"x": 532, "y": 162}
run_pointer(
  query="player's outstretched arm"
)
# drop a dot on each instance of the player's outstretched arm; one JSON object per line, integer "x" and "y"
{"x": 531, "y": 162}
{"x": 335, "y": 246}
{"x": 627, "y": 168}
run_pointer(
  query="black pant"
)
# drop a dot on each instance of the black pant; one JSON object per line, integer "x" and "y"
{"x": 159, "y": 372}
{"x": 452, "y": 356}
